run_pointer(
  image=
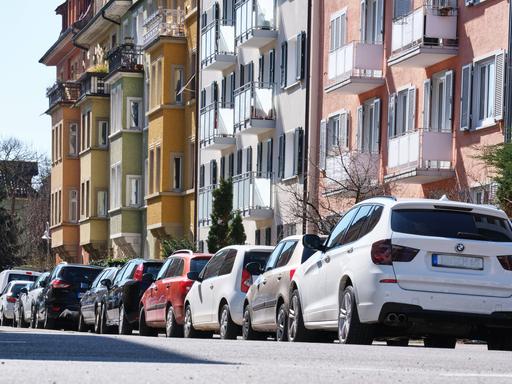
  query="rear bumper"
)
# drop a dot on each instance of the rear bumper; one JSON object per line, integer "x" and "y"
{"x": 236, "y": 307}
{"x": 63, "y": 312}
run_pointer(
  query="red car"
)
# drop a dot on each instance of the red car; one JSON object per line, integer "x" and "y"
{"x": 161, "y": 306}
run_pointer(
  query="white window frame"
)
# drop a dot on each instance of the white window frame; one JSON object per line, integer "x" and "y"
{"x": 340, "y": 135}
{"x": 73, "y": 206}
{"x": 103, "y": 124}
{"x": 178, "y": 94}
{"x": 115, "y": 185}
{"x": 116, "y": 108}
{"x": 179, "y": 187}
{"x": 337, "y": 38}
{"x": 129, "y": 120}
{"x": 368, "y": 126}
{"x": 102, "y": 202}
{"x": 490, "y": 87}
{"x": 74, "y": 127}
{"x": 129, "y": 191}
{"x": 396, "y": 126}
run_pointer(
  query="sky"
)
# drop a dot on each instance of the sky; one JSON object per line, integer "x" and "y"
{"x": 29, "y": 28}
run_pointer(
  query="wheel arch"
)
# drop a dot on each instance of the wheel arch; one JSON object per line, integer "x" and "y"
{"x": 222, "y": 302}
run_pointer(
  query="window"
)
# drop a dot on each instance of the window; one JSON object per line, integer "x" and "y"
{"x": 151, "y": 170}
{"x": 337, "y": 132}
{"x": 239, "y": 161}
{"x": 279, "y": 232}
{"x": 157, "y": 168}
{"x": 286, "y": 254}
{"x": 298, "y": 151}
{"x": 73, "y": 205}
{"x": 102, "y": 133}
{"x": 222, "y": 168}
{"x": 201, "y": 176}
{"x": 438, "y": 102}
{"x": 257, "y": 237}
{"x": 87, "y": 198}
{"x": 338, "y": 27}
{"x": 268, "y": 236}
{"x": 102, "y": 203}
{"x": 401, "y": 112}
{"x": 213, "y": 172}
{"x": 177, "y": 169}
{"x": 401, "y": 8}
{"x": 155, "y": 96}
{"x": 271, "y": 262}
{"x": 372, "y": 17}
{"x": 213, "y": 267}
{"x": 73, "y": 139}
{"x": 228, "y": 262}
{"x": 300, "y": 56}
{"x": 337, "y": 234}
{"x": 272, "y": 67}
{"x": 358, "y": 224}
{"x": 281, "y": 157}
{"x": 116, "y": 108}
{"x": 482, "y": 92}
{"x": 248, "y": 159}
{"x": 134, "y": 192}
{"x": 134, "y": 117}
{"x": 115, "y": 186}
{"x": 368, "y": 126}
{"x": 284, "y": 63}
{"x": 178, "y": 76}
{"x": 146, "y": 178}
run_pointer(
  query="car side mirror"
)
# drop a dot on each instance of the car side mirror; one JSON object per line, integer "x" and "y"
{"x": 194, "y": 276}
{"x": 254, "y": 268}
{"x": 23, "y": 290}
{"x": 148, "y": 278}
{"x": 107, "y": 283}
{"x": 43, "y": 283}
{"x": 313, "y": 242}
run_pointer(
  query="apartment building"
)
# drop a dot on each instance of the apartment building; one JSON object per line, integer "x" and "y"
{"x": 418, "y": 88}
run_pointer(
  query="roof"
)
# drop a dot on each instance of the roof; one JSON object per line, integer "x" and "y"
{"x": 250, "y": 247}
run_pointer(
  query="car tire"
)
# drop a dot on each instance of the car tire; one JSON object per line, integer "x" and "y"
{"x": 397, "y": 342}
{"x": 33, "y": 318}
{"x": 172, "y": 328}
{"x": 144, "y": 329}
{"x": 350, "y": 328}
{"x": 445, "y": 342}
{"x": 97, "y": 320}
{"x": 48, "y": 322}
{"x": 82, "y": 327}
{"x": 228, "y": 329}
{"x": 248, "y": 333}
{"x": 297, "y": 332}
{"x": 188, "y": 327}
{"x": 124, "y": 325}
{"x": 104, "y": 328}
{"x": 282, "y": 323}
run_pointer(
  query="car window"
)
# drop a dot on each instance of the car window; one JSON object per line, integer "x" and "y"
{"x": 259, "y": 256}
{"x": 121, "y": 273}
{"x": 198, "y": 263}
{"x": 21, "y": 276}
{"x": 171, "y": 270}
{"x": 274, "y": 256}
{"x": 16, "y": 288}
{"x": 128, "y": 272}
{"x": 180, "y": 267}
{"x": 152, "y": 268}
{"x": 213, "y": 267}
{"x": 373, "y": 219}
{"x": 164, "y": 269}
{"x": 228, "y": 262}
{"x": 357, "y": 224}
{"x": 79, "y": 274}
{"x": 98, "y": 279}
{"x": 338, "y": 232}
{"x": 287, "y": 253}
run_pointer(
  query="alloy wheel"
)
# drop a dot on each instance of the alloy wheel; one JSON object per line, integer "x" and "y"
{"x": 223, "y": 323}
{"x": 188, "y": 322}
{"x": 281, "y": 324}
{"x": 345, "y": 317}
{"x": 292, "y": 317}
{"x": 170, "y": 323}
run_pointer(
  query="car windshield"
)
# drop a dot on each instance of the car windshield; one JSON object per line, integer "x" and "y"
{"x": 259, "y": 257}
{"x": 79, "y": 274}
{"x": 16, "y": 288}
{"x": 451, "y": 224}
{"x": 197, "y": 264}
{"x": 152, "y": 268}
{"x": 20, "y": 276}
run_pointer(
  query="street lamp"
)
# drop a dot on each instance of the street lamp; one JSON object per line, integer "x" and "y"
{"x": 47, "y": 237}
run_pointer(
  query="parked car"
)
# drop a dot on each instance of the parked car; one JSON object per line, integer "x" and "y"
{"x": 266, "y": 304}
{"x": 215, "y": 302}
{"x": 8, "y": 298}
{"x": 162, "y": 305}
{"x": 19, "y": 320}
{"x": 90, "y": 304}
{"x": 120, "y": 305}
{"x": 9, "y": 275}
{"x": 25, "y": 307}
{"x": 394, "y": 270}
{"x": 60, "y": 302}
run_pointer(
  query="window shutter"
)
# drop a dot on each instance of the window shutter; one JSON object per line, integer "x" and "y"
{"x": 448, "y": 112}
{"x": 426, "y": 103}
{"x": 250, "y": 72}
{"x": 281, "y": 156}
{"x": 323, "y": 144}
{"x": 500, "y": 85}
{"x": 411, "y": 113}
{"x": 363, "y": 20}
{"x": 380, "y": 21}
{"x": 301, "y": 56}
{"x": 213, "y": 172}
{"x": 272, "y": 66}
{"x": 261, "y": 69}
{"x": 215, "y": 92}
{"x": 391, "y": 116}
{"x": 222, "y": 168}
{"x": 465, "y": 98}
{"x": 270, "y": 157}
{"x": 375, "y": 130}
{"x": 248, "y": 163}
{"x": 259, "y": 161}
{"x": 329, "y": 135}
{"x": 298, "y": 151}
{"x": 344, "y": 137}
{"x": 359, "y": 135}
{"x": 284, "y": 62}
{"x": 233, "y": 85}
{"x": 201, "y": 176}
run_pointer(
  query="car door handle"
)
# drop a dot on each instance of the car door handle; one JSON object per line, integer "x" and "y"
{"x": 211, "y": 286}
{"x": 279, "y": 277}
{"x": 327, "y": 258}
{"x": 263, "y": 281}
{"x": 167, "y": 286}
{"x": 350, "y": 250}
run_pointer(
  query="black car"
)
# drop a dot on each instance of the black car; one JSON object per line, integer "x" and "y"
{"x": 90, "y": 305}
{"x": 120, "y": 307}
{"x": 61, "y": 297}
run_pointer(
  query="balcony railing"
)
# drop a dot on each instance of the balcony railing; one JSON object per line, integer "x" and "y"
{"x": 255, "y": 19}
{"x": 93, "y": 84}
{"x": 126, "y": 57}
{"x": 254, "y": 106}
{"x": 205, "y": 204}
{"x": 252, "y": 196}
{"x": 164, "y": 22}
{"x": 216, "y": 126}
{"x": 420, "y": 156}
{"x": 356, "y": 63}
{"x": 63, "y": 92}
{"x": 218, "y": 45}
{"x": 432, "y": 26}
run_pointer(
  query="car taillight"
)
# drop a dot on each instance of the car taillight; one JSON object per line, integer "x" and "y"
{"x": 384, "y": 253}
{"x": 59, "y": 284}
{"x": 11, "y": 299}
{"x": 139, "y": 272}
{"x": 506, "y": 262}
{"x": 292, "y": 272}
{"x": 246, "y": 281}
{"x": 28, "y": 273}
{"x": 185, "y": 285}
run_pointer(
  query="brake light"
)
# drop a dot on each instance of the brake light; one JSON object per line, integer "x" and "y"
{"x": 11, "y": 299}
{"x": 59, "y": 284}
{"x": 246, "y": 281}
{"x": 384, "y": 253}
{"x": 28, "y": 273}
{"x": 292, "y": 272}
{"x": 388, "y": 281}
{"x": 185, "y": 285}
{"x": 139, "y": 272}
{"x": 506, "y": 262}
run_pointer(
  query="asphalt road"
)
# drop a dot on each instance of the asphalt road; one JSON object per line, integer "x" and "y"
{"x": 37, "y": 356}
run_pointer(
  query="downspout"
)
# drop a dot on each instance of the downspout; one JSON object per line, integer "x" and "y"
{"x": 196, "y": 146}
{"x": 508, "y": 80}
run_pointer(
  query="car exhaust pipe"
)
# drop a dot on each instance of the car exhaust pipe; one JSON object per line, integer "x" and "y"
{"x": 402, "y": 318}
{"x": 391, "y": 318}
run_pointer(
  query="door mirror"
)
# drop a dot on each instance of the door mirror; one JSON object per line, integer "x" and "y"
{"x": 313, "y": 242}
{"x": 254, "y": 268}
{"x": 194, "y": 276}
{"x": 148, "y": 278}
{"x": 23, "y": 290}
{"x": 43, "y": 283}
{"x": 106, "y": 283}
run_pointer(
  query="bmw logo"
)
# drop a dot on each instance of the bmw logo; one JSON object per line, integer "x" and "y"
{"x": 460, "y": 247}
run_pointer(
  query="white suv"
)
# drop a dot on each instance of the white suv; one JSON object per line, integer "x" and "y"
{"x": 392, "y": 270}
{"x": 215, "y": 301}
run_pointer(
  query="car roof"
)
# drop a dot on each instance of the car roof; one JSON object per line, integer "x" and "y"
{"x": 24, "y": 271}
{"x": 189, "y": 254}
{"x": 246, "y": 248}
{"x": 79, "y": 265}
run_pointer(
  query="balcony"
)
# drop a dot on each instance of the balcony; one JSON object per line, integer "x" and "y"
{"x": 218, "y": 45}
{"x": 420, "y": 157}
{"x": 254, "y": 108}
{"x": 216, "y": 129}
{"x": 125, "y": 58}
{"x": 93, "y": 84}
{"x": 252, "y": 196}
{"x": 426, "y": 36}
{"x": 355, "y": 68}
{"x": 255, "y": 24}
{"x": 164, "y": 23}
{"x": 205, "y": 204}
{"x": 63, "y": 92}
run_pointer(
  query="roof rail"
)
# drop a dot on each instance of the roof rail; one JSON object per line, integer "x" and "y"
{"x": 183, "y": 251}
{"x": 382, "y": 197}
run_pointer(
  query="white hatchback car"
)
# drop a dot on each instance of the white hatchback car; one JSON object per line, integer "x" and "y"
{"x": 215, "y": 301}
{"x": 392, "y": 270}
{"x": 8, "y": 298}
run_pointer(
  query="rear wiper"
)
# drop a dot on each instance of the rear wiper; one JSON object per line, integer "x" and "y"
{"x": 471, "y": 236}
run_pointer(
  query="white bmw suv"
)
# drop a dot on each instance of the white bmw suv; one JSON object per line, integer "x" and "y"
{"x": 393, "y": 270}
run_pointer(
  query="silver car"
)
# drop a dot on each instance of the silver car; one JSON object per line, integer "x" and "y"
{"x": 8, "y": 299}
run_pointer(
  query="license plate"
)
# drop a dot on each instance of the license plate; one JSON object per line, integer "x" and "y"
{"x": 80, "y": 295}
{"x": 459, "y": 262}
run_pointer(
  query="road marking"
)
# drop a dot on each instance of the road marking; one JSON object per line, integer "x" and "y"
{"x": 497, "y": 375}
{"x": 12, "y": 342}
